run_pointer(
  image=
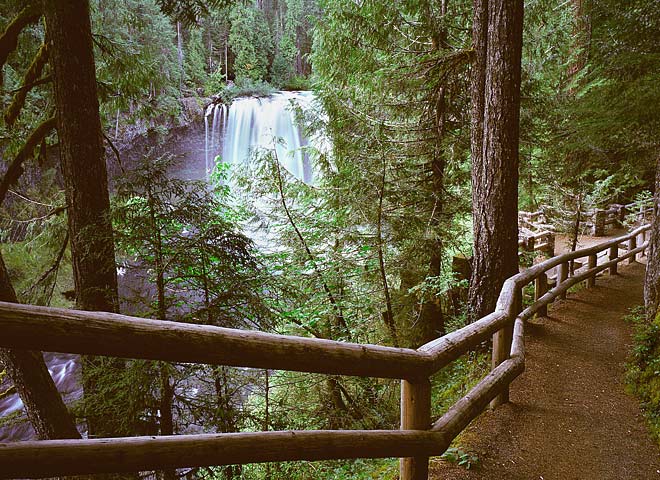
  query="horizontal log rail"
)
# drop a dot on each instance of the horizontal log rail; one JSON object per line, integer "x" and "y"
{"x": 97, "y": 333}
{"x": 36, "y": 459}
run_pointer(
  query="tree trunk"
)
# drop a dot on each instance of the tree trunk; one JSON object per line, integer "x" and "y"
{"x": 179, "y": 47}
{"x": 27, "y": 371}
{"x": 69, "y": 39}
{"x": 495, "y": 124}
{"x": 652, "y": 280}
{"x": 431, "y": 319}
{"x": 582, "y": 41}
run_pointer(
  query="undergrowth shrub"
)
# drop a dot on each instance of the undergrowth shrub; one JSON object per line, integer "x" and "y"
{"x": 643, "y": 369}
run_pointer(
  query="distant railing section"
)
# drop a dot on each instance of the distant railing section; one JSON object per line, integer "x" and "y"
{"x": 616, "y": 215}
{"x": 97, "y": 333}
{"x": 535, "y": 233}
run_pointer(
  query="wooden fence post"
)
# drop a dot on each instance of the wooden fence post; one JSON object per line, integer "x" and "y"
{"x": 620, "y": 214}
{"x": 593, "y": 261}
{"x": 614, "y": 252}
{"x": 632, "y": 245}
{"x": 598, "y": 229}
{"x": 415, "y": 415}
{"x": 502, "y": 344}
{"x": 643, "y": 241}
{"x": 551, "y": 244}
{"x": 540, "y": 289}
{"x": 563, "y": 275}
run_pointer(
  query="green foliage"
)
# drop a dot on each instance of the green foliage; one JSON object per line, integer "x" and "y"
{"x": 296, "y": 82}
{"x": 404, "y": 177}
{"x": 247, "y": 88}
{"x": 460, "y": 457}
{"x": 284, "y": 64}
{"x": 589, "y": 87}
{"x": 38, "y": 260}
{"x": 455, "y": 380}
{"x": 251, "y": 42}
{"x": 136, "y": 61}
{"x": 377, "y": 469}
{"x": 643, "y": 368}
{"x": 215, "y": 84}
{"x": 179, "y": 236}
{"x": 195, "y": 64}
{"x": 186, "y": 234}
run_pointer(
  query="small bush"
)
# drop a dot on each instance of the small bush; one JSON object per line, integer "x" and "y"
{"x": 643, "y": 369}
{"x": 297, "y": 82}
{"x": 215, "y": 83}
{"x": 460, "y": 457}
{"x": 245, "y": 88}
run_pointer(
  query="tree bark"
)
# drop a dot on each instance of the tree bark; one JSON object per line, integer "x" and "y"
{"x": 582, "y": 41}
{"x": 495, "y": 124}
{"x": 69, "y": 40}
{"x": 652, "y": 280}
{"x": 27, "y": 371}
{"x": 431, "y": 318}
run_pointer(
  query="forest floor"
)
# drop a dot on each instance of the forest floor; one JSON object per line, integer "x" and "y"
{"x": 569, "y": 416}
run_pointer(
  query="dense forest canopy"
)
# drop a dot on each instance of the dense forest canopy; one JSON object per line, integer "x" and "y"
{"x": 375, "y": 250}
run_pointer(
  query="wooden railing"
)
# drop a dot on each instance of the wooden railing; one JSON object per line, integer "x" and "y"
{"x": 60, "y": 330}
{"x": 534, "y": 227}
{"x": 616, "y": 214}
{"x": 534, "y": 233}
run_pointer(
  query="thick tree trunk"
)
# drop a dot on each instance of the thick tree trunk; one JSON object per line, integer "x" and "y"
{"x": 69, "y": 39}
{"x": 495, "y": 123}
{"x": 27, "y": 371}
{"x": 82, "y": 153}
{"x": 652, "y": 280}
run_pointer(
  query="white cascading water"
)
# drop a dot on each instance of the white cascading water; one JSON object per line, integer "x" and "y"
{"x": 251, "y": 124}
{"x": 65, "y": 370}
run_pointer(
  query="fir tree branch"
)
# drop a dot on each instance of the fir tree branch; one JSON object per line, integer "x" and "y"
{"x": 9, "y": 39}
{"x": 29, "y": 81}
{"x": 53, "y": 269}
{"x": 16, "y": 166}
{"x": 331, "y": 298}
{"x": 115, "y": 151}
{"x": 46, "y": 79}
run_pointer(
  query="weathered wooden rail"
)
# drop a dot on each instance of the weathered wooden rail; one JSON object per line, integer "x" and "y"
{"x": 534, "y": 226}
{"x": 51, "y": 329}
{"x": 534, "y": 233}
{"x": 616, "y": 214}
{"x": 599, "y": 219}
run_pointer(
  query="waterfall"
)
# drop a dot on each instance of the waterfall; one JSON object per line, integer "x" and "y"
{"x": 215, "y": 112}
{"x": 65, "y": 370}
{"x": 251, "y": 124}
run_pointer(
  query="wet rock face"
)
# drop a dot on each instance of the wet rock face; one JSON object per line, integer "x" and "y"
{"x": 193, "y": 108}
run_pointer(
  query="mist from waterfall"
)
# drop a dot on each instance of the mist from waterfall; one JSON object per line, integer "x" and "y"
{"x": 254, "y": 124}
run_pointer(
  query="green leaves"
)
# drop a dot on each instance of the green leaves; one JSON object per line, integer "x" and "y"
{"x": 460, "y": 457}
{"x": 182, "y": 233}
{"x": 251, "y": 42}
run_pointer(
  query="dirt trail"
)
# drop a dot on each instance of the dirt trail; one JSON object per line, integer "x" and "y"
{"x": 569, "y": 417}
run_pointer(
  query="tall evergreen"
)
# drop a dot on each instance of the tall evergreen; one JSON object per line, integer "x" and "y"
{"x": 69, "y": 40}
{"x": 495, "y": 139}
